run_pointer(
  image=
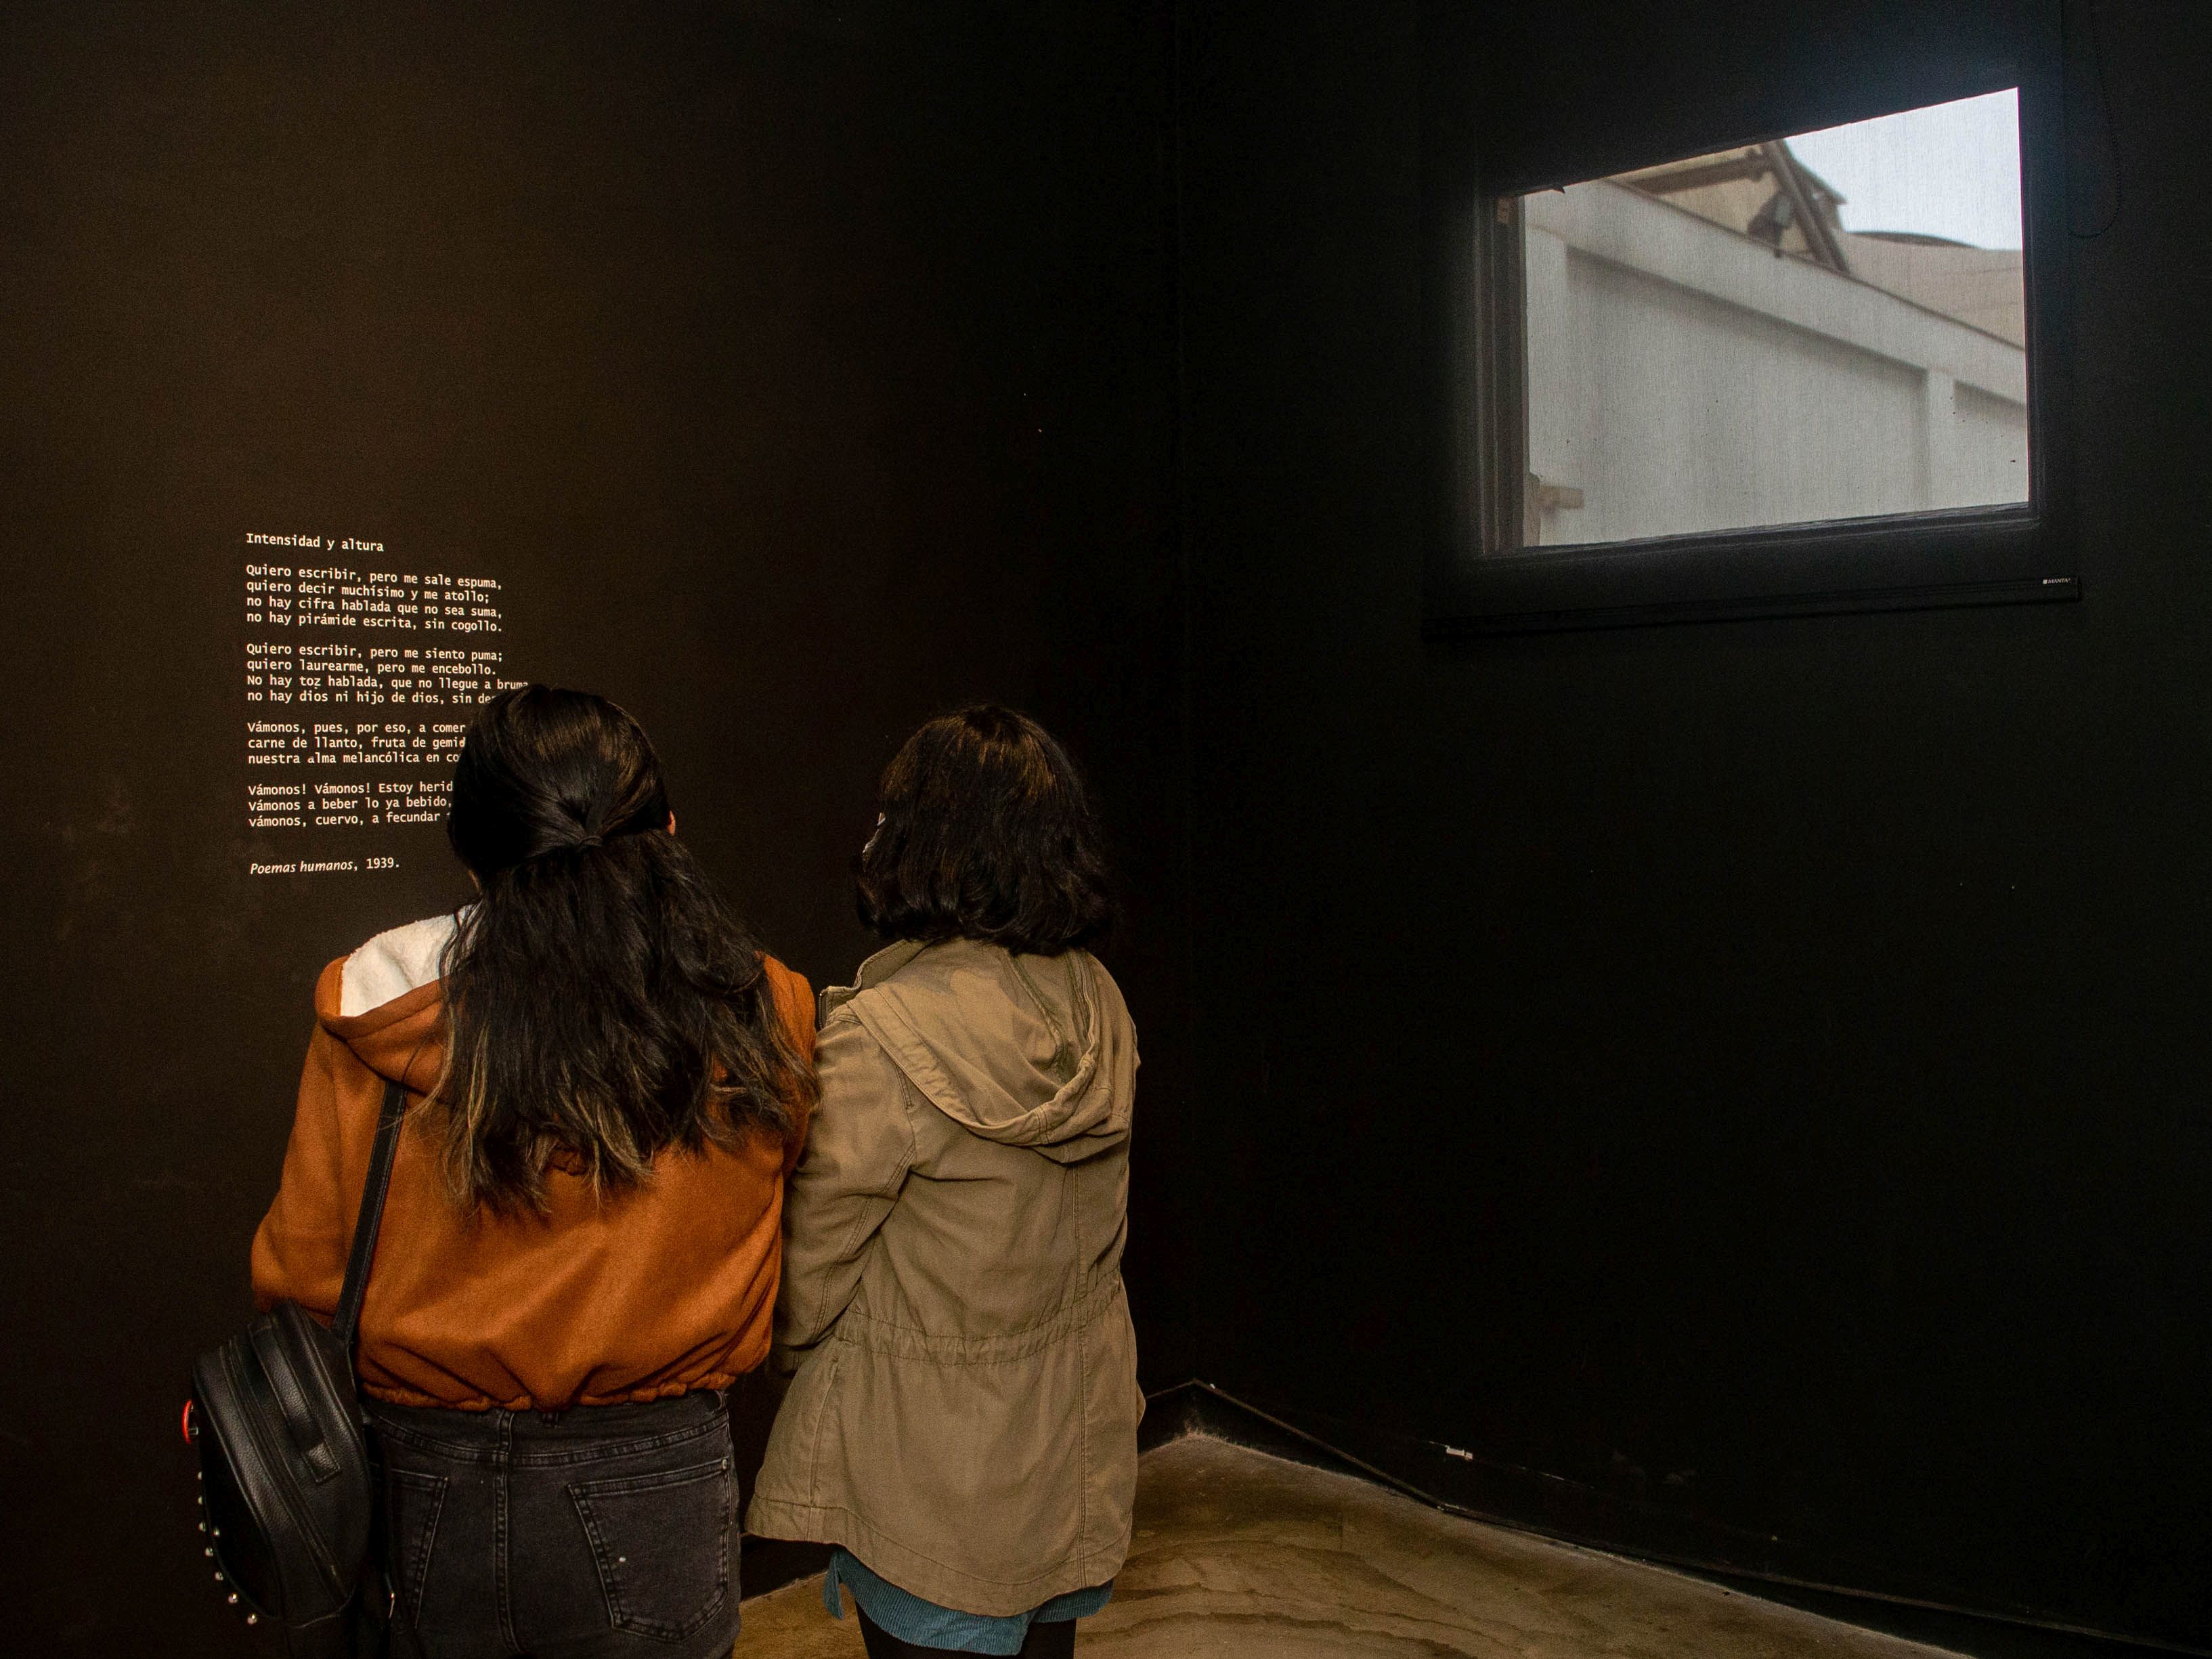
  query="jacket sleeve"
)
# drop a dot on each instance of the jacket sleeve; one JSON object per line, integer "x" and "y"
{"x": 795, "y": 1005}
{"x": 300, "y": 1249}
{"x": 859, "y": 1149}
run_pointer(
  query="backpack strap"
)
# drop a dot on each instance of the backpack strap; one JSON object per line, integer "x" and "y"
{"x": 366, "y": 1225}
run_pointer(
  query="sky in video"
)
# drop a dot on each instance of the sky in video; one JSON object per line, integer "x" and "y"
{"x": 1949, "y": 170}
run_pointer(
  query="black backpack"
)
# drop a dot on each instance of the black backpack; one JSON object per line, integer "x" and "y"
{"x": 287, "y": 1498}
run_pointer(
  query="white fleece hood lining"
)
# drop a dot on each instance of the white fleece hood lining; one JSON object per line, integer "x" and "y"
{"x": 394, "y": 963}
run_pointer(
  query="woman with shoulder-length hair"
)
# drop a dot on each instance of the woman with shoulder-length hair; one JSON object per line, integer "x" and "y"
{"x": 963, "y": 1422}
{"x": 609, "y": 1082}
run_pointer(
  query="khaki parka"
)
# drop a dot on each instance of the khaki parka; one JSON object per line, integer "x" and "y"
{"x": 964, "y": 1413}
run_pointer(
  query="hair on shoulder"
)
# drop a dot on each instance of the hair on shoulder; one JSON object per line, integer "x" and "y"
{"x": 987, "y": 833}
{"x": 604, "y": 1003}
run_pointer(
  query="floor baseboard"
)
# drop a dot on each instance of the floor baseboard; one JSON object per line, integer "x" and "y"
{"x": 1511, "y": 1498}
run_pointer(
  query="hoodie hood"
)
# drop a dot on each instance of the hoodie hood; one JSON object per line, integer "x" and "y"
{"x": 1028, "y": 1051}
{"x": 386, "y": 1003}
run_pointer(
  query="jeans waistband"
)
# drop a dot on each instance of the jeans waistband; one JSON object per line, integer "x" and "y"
{"x": 499, "y": 1431}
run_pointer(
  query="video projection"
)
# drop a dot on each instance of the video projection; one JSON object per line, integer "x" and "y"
{"x": 361, "y": 669}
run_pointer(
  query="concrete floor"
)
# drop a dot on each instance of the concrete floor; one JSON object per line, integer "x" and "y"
{"x": 1240, "y": 1556}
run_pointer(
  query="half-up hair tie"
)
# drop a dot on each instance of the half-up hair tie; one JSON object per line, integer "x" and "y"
{"x": 577, "y": 845}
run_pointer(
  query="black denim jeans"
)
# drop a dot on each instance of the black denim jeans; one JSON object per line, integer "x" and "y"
{"x": 607, "y": 1532}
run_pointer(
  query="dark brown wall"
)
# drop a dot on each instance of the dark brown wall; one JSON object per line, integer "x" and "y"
{"x": 800, "y": 370}
{"x": 1753, "y": 1073}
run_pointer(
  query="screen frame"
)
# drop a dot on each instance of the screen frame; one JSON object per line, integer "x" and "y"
{"x": 1472, "y": 175}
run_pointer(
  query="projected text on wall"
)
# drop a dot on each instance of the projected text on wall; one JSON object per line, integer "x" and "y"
{"x": 361, "y": 671}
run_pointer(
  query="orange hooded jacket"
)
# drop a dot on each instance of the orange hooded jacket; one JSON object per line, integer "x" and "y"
{"x": 607, "y": 1299}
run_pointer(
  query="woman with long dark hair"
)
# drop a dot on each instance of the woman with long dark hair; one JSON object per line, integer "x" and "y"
{"x": 609, "y": 1081}
{"x": 963, "y": 1422}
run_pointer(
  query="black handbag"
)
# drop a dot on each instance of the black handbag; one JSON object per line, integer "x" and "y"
{"x": 288, "y": 1497}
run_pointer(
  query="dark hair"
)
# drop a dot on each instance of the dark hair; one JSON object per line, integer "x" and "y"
{"x": 602, "y": 1002}
{"x": 987, "y": 833}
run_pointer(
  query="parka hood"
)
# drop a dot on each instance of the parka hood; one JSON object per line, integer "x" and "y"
{"x": 386, "y": 1003}
{"x": 1029, "y": 1051}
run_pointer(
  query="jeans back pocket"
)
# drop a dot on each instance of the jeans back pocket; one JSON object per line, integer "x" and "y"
{"x": 412, "y": 1503}
{"x": 661, "y": 1542}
